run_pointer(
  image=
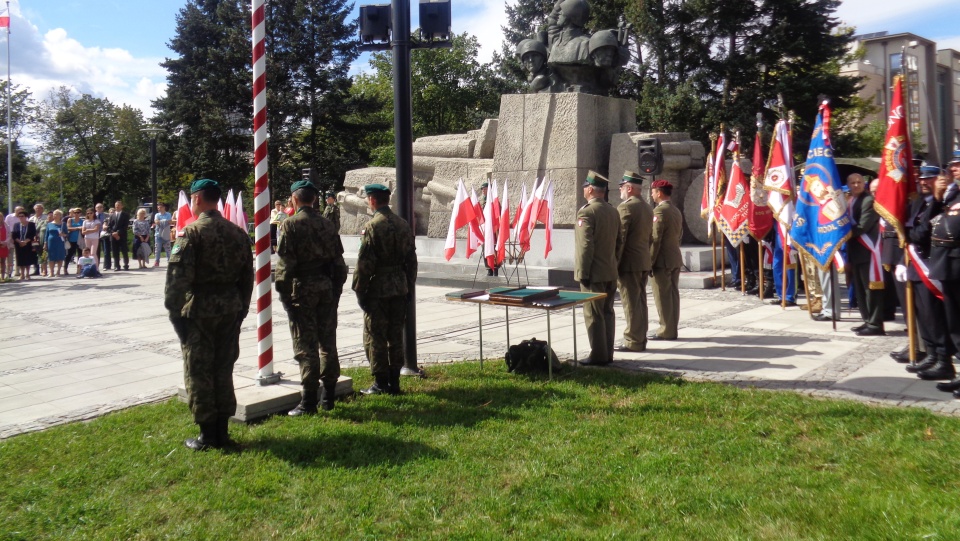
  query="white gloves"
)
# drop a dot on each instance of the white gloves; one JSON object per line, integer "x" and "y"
{"x": 900, "y": 273}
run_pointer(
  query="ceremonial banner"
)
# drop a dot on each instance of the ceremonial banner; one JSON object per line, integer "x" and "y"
{"x": 779, "y": 180}
{"x": 705, "y": 198}
{"x": 897, "y": 182}
{"x": 720, "y": 176}
{"x": 732, "y": 216}
{"x": 821, "y": 224}
{"x": 759, "y": 215}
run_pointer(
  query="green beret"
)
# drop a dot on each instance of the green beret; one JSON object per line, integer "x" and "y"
{"x": 630, "y": 176}
{"x": 370, "y": 188}
{"x": 301, "y": 184}
{"x": 203, "y": 184}
{"x": 485, "y": 185}
{"x": 595, "y": 179}
{"x": 330, "y": 194}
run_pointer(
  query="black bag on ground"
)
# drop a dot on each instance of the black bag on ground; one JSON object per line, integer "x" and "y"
{"x": 530, "y": 357}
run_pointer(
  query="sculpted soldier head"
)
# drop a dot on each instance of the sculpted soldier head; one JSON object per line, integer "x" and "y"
{"x": 574, "y": 13}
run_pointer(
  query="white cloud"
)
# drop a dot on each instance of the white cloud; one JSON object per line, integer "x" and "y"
{"x": 43, "y": 62}
{"x": 483, "y": 19}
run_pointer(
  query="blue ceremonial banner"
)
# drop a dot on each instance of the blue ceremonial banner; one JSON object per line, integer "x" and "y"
{"x": 821, "y": 224}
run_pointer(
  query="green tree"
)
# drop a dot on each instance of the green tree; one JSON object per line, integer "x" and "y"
{"x": 23, "y": 112}
{"x": 104, "y": 153}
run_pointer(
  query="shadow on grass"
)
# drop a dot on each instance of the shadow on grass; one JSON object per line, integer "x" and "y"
{"x": 346, "y": 450}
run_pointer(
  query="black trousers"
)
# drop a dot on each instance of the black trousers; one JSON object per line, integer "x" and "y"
{"x": 931, "y": 320}
{"x": 951, "y": 309}
{"x": 869, "y": 301}
{"x": 73, "y": 251}
{"x": 105, "y": 251}
{"x": 120, "y": 246}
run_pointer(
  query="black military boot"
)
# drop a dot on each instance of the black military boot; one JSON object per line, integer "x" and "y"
{"x": 943, "y": 369}
{"x": 927, "y": 364}
{"x": 903, "y": 356}
{"x": 307, "y": 405}
{"x": 223, "y": 432}
{"x": 329, "y": 396}
{"x": 207, "y": 438}
{"x": 381, "y": 385}
{"x": 394, "y": 387}
{"x": 950, "y": 386}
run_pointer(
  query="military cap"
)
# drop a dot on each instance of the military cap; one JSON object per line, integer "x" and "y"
{"x": 203, "y": 184}
{"x": 660, "y": 184}
{"x": 330, "y": 194}
{"x": 371, "y": 188}
{"x": 929, "y": 171}
{"x": 595, "y": 179}
{"x": 485, "y": 185}
{"x": 630, "y": 176}
{"x": 531, "y": 46}
{"x": 956, "y": 157}
{"x": 301, "y": 184}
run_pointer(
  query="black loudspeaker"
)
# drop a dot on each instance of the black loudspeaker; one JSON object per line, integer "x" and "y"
{"x": 375, "y": 23}
{"x": 435, "y": 19}
{"x": 650, "y": 156}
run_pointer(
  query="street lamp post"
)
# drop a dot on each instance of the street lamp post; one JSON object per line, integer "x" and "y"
{"x": 60, "y": 177}
{"x": 153, "y": 131}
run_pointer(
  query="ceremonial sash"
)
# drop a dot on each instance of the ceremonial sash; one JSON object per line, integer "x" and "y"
{"x": 876, "y": 272}
{"x": 920, "y": 266}
{"x": 767, "y": 254}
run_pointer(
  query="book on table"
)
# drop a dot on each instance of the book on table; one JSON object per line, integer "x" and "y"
{"x": 466, "y": 293}
{"x": 524, "y": 295}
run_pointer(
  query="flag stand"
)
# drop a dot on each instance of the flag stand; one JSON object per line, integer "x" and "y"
{"x": 783, "y": 277}
{"x": 911, "y": 323}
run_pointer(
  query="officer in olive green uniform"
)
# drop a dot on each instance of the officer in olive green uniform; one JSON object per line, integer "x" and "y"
{"x": 386, "y": 272}
{"x": 209, "y": 283}
{"x": 666, "y": 260}
{"x": 636, "y": 228}
{"x": 595, "y": 263}
{"x": 332, "y": 210}
{"x": 309, "y": 280}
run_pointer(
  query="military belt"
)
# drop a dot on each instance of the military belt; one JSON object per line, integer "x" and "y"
{"x": 889, "y": 234}
{"x": 945, "y": 243}
{"x": 314, "y": 271}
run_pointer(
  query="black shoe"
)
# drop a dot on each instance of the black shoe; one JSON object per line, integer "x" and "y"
{"x": 775, "y": 301}
{"x": 903, "y": 357}
{"x": 942, "y": 370}
{"x": 307, "y": 405}
{"x": 591, "y": 363}
{"x": 871, "y": 331}
{"x": 329, "y": 396}
{"x": 206, "y": 440}
{"x": 734, "y": 285}
{"x": 223, "y": 432}
{"x": 381, "y": 385}
{"x": 858, "y": 328}
{"x": 394, "y": 382}
{"x": 927, "y": 364}
{"x": 625, "y": 349}
{"x": 949, "y": 386}
{"x": 956, "y": 394}
{"x": 489, "y": 272}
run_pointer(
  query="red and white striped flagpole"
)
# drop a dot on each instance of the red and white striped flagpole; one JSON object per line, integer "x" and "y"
{"x": 261, "y": 203}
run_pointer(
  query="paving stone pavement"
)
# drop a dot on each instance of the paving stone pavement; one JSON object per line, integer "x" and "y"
{"x": 74, "y": 349}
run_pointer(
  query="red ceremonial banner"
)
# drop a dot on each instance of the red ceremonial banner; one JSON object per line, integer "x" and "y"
{"x": 898, "y": 182}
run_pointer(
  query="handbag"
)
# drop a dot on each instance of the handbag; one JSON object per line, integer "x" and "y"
{"x": 66, "y": 245}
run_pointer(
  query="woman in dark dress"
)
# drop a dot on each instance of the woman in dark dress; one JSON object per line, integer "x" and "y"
{"x": 24, "y": 235}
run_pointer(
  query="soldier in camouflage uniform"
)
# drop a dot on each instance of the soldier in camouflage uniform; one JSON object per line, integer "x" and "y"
{"x": 386, "y": 271}
{"x": 309, "y": 280}
{"x": 332, "y": 210}
{"x": 209, "y": 283}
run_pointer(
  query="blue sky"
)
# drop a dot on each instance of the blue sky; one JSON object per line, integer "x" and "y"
{"x": 112, "y": 48}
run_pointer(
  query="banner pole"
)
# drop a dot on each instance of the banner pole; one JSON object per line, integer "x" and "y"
{"x": 761, "y": 286}
{"x": 743, "y": 270}
{"x": 783, "y": 277}
{"x": 713, "y": 237}
{"x": 911, "y": 323}
{"x": 723, "y": 264}
{"x": 835, "y": 297}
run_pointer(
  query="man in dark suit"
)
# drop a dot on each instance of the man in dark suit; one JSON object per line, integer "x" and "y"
{"x": 118, "y": 228}
{"x": 597, "y": 239}
{"x": 863, "y": 250}
{"x": 945, "y": 258}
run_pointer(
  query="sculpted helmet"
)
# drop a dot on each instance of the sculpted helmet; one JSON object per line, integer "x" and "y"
{"x": 603, "y": 38}
{"x": 531, "y": 46}
{"x": 576, "y": 11}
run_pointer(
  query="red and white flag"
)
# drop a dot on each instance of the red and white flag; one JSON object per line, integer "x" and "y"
{"x": 732, "y": 217}
{"x": 538, "y": 213}
{"x": 503, "y": 232}
{"x": 461, "y": 215}
{"x": 781, "y": 185}
{"x": 521, "y": 204}
{"x": 528, "y": 215}
{"x": 474, "y": 232}
{"x": 237, "y": 215}
{"x": 719, "y": 185}
{"x": 705, "y": 198}
{"x": 5, "y": 18}
{"x": 228, "y": 206}
{"x": 185, "y": 215}
{"x": 546, "y": 217}
{"x": 489, "y": 232}
{"x": 759, "y": 215}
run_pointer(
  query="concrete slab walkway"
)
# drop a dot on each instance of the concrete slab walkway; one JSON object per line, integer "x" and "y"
{"x": 75, "y": 349}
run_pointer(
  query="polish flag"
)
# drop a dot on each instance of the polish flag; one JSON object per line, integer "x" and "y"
{"x": 523, "y": 224}
{"x": 520, "y": 206}
{"x": 503, "y": 233}
{"x": 185, "y": 216}
{"x": 474, "y": 233}
{"x": 546, "y": 217}
{"x": 5, "y": 18}
{"x": 220, "y": 206}
{"x": 461, "y": 215}
{"x": 228, "y": 206}
{"x": 237, "y": 215}
{"x": 489, "y": 233}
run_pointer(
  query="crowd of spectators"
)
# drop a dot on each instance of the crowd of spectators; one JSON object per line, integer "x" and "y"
{"x": 45, "y": 243}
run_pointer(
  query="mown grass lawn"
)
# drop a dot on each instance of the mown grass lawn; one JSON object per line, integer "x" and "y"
{"x": 595, "y": 454}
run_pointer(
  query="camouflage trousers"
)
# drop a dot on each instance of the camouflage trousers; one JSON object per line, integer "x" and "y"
{"x": 313, "y": 329}
{"x": 210, "y": 349}
{"x": 383, "y": 333}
